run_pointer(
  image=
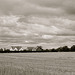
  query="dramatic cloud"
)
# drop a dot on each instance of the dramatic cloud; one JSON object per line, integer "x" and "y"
{"x": 50, "y": 23}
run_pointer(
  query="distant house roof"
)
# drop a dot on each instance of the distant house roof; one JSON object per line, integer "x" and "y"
{"x": 30, "y": 48}
{"x": 38, "y": 48}
{"x": 21, "y": 49}
{"x": 16, "y": 47}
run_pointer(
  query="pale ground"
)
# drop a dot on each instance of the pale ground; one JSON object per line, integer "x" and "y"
{"x": 58, "y": 63}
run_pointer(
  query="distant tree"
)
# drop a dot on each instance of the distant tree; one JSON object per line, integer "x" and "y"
{"x": 53, "y": 50}
{"x": 6, "y": 50}
{"x": 1, "y": 50}
{"x": 65, "y": 49}
{"x": 72, "y": 48}
{"x": 46, "y": 50}
{"x": 24, "y": 50}
{"x": 59, "y": 49}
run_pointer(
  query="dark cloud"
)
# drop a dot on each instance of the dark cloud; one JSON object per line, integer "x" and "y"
{"x": 21, "y": 7}
{"x": 47, "y": 3}
{"x": 69, "y": 6}
{"x": 37, "y": 7}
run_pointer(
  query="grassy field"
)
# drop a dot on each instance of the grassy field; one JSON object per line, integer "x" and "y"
{"x": 58, "y": 63}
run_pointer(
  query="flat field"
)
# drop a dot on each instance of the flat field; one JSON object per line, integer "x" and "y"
{"x": 57, "y": 63}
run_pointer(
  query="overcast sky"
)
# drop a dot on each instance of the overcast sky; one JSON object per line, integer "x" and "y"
{"x": 49, "y": 23}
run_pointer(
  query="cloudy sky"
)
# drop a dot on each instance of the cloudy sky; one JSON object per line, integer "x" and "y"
{"x": 49, "y": 23}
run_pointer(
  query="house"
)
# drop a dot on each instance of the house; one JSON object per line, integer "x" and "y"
{"x": 21, "y": 49}
{"x": 16, "y": 48}
{"x": 38, "y": 48}
{"x": 29, "y": 48}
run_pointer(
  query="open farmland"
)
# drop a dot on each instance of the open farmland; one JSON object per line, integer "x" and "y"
{"x": 58, "y": 63}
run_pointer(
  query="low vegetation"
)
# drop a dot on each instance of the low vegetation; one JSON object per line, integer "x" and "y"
{"x": 61, "y": 63}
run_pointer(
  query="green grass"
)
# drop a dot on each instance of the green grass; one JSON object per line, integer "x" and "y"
{"x": 58, "y": 63}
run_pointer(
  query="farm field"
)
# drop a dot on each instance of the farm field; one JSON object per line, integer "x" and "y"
{"x": 57, "y": 63}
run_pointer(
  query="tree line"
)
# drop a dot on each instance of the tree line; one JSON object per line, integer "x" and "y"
{"x": 60, "y": 49}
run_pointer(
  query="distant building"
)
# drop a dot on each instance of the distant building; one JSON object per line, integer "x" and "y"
{"x": 16, "y": 48}
{"x": 38, "y": 48}
{"x": 29, "y": 48}
{"x": 21, "y": 49}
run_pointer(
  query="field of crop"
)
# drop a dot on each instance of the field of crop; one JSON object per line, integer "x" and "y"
{"x": 58, "y": 63}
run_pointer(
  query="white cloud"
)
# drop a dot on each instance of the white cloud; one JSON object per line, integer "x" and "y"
{"x": 9, "y": 19}
{"x": 27, "y": 41}
{"x": 47, "y": 36}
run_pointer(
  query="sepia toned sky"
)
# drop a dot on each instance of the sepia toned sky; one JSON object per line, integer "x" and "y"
{"x": 49, "y": 23}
